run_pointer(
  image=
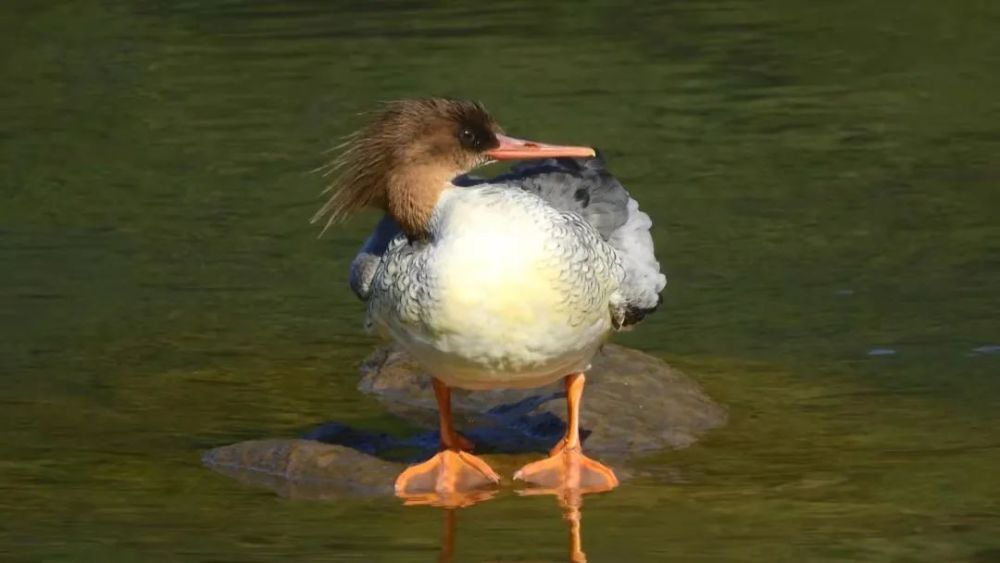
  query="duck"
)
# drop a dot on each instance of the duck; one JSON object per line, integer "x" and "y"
{"x": 514, "y": 281}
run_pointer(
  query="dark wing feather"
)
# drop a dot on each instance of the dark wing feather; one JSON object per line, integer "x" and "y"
{"x": 581, "y": 186}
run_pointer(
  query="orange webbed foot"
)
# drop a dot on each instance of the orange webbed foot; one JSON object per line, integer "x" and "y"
{"x": 567, "y": 468}
{"x": 447, "y": 473}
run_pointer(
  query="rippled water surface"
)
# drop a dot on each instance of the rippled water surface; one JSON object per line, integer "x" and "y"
{"x": 825, "y": 183}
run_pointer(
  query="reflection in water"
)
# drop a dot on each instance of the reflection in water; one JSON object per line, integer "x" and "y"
{"x": 448, "y": 501}
{"x": 576, "y": 554}
{"x": 571, "y": 503}
{"x": 448, "y": 537}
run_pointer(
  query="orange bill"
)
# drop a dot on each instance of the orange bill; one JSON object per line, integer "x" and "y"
{"x": 511, "y": 148}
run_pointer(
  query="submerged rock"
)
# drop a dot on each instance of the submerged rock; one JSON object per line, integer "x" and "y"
{"x": 304, "y": 468}
{"x": 633, "y": 404}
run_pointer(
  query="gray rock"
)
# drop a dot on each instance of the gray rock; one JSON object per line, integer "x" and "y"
{"x": 633, "y": 404}
{"x": 304, "y": 468}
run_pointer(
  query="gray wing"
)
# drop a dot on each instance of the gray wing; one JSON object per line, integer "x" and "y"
{"x": 365, "y": 264}
{"x": 586, "y": 188}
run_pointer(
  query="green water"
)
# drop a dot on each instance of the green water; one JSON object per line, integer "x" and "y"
{"x": 824, "y": 178}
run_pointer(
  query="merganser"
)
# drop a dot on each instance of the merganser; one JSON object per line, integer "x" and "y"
{"x": 512, "y": 282}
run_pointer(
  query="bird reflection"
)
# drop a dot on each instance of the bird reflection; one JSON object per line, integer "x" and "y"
{"x": 448, "y": 537}
{"x": 570, "y": 501}
{"x": 448, "y": 501}
{"x": 572, "y": 515}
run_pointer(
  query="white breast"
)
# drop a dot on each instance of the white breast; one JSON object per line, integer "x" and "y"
{"x": 503, "y": 309}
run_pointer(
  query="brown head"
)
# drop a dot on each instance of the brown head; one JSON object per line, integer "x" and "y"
{"x": 408, "y": 154}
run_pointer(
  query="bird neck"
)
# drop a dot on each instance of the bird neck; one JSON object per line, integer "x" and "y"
{"x": 412, "y": 193}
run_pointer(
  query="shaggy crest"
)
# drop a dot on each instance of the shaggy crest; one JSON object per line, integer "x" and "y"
{"x": 404, "y": 133}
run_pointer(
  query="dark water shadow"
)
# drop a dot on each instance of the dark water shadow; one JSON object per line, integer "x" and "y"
{"x": 511, "y": 428}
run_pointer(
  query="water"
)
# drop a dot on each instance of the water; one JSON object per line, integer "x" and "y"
{"x": 824, "y": 180}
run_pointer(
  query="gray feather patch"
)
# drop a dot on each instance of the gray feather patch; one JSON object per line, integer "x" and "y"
{"x": 365, "y": 264}
{"x": 581, "y": 186}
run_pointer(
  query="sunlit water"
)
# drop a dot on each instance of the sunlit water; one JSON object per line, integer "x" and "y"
{"x": 825, "y": 183}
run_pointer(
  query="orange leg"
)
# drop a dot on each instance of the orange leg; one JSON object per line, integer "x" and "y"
{"x": 567, "y": 468}
{"x": 453, "y": 470}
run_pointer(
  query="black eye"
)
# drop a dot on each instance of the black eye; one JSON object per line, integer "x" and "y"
{"x": 468, "y": 138}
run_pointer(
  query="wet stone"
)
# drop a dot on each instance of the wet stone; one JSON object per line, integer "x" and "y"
{"x": 634, "y": 404}
{"x": 298, "y": 468}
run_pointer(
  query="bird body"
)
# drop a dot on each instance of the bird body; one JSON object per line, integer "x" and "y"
{"x": 511, "y": 282}
{"x": 507, "y": 291}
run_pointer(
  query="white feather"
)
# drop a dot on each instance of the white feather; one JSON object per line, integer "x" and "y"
{"x": 634, "y": 244}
